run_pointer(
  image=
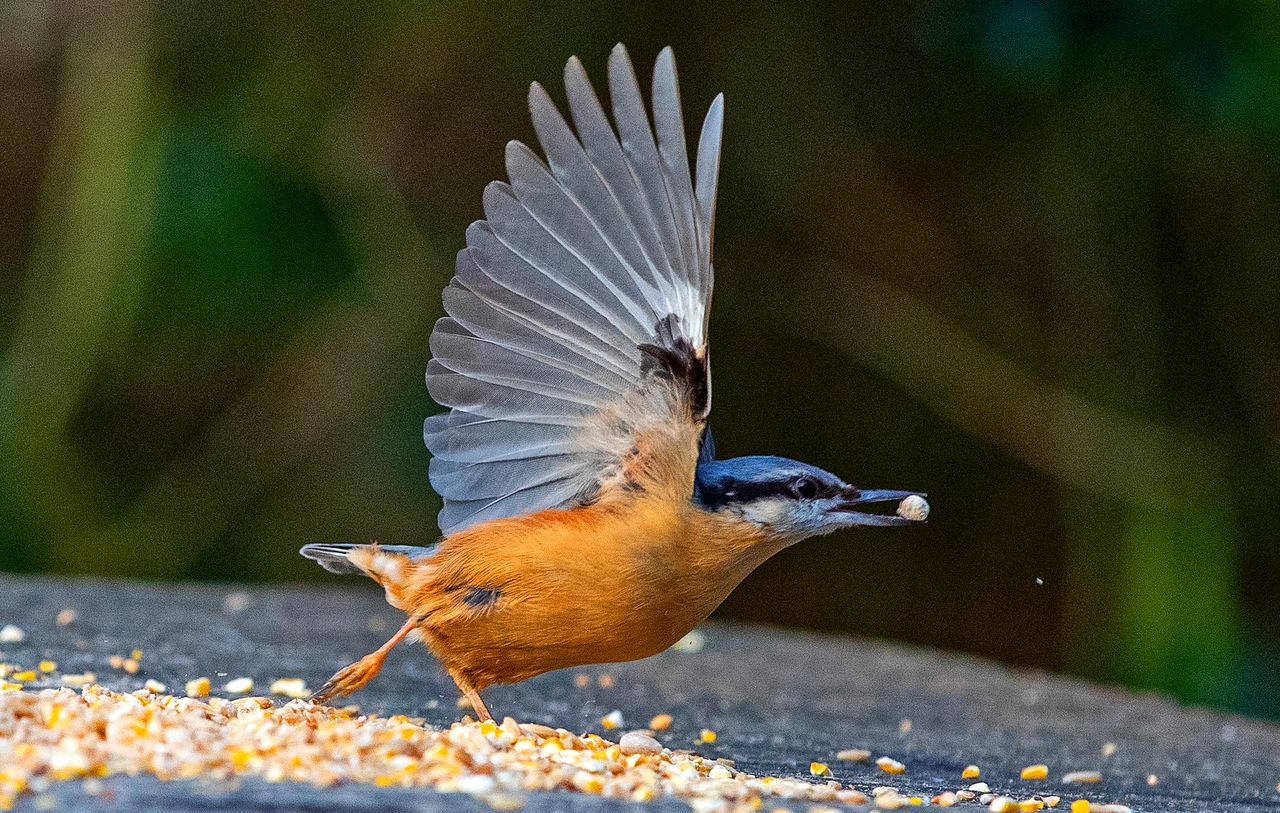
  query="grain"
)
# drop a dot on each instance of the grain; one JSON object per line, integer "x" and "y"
{"x": 854, "y": 755}
{"x": 61, "y": 734}
{"x": 1082, "y": 776}
{"x": 661, "y": 722}
{"x": 913, "y": 508}
{"x": 1037, "y": 771}
{"x": 295, "y": 688}
{"x": 633, "y": 742}
{"x": 970, "y": 772}
{"x": 9, "y": 634}
{"x": 242, "y": 685}
{"x": 890, "y": 765}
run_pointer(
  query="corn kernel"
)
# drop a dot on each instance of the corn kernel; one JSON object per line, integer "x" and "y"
{"x": 26, "y": 677}
{"x": 1037, "y": 771}
{"x": 660, "y": 722}
{"x": 612, "y": 720}
{"x": 970, "y": 772}
{"x": 1080, "y": 806}
{"x": 890, "y": 765}
{"x": 853, "y": 755}
{"x": 819, "y": 769}
{"x": 136, "y": 654}
{"x": 199, "y": 687}
{"x": 1030, "y": 805}
{"x": 47, "y": 666}
{"x": 707, "y": 735}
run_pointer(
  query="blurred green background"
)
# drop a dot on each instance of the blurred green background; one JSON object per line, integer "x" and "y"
{"x": 1020, "y": 254}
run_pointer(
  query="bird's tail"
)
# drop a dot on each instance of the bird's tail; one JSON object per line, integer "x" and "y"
{"x": 374, "y": 560}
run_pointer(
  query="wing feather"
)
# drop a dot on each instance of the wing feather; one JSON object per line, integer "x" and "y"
{"x": 578, "y": 307}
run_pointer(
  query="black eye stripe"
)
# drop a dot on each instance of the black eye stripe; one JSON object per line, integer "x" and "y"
{"x": 744, "y": 491}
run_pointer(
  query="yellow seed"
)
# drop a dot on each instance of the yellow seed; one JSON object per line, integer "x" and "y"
{"x": 707, "y": 735}
{"x": 854, "y": 755}
{"x": 47, "y": 666}
{"x": 890, "y": 765}
{"x": 1153, "y": 780}
{"x": 1038, "y": 771}
{"x": 1080, "y": 806}
{"x": 130, "y": 665}
{"x": 136, "y": 654}
{"x": 199, "y": 687}
{"x": 660, "y": 722}
{"x": 1083, "y": 776}
{"x": 26, "y": 676}
{"x": 1109, "y": 748}
{"x": 970, "y": 772}
{"x": 612, "y": 720}
{"x": 1030, "y": 805}
{"x": 819, "y": 769}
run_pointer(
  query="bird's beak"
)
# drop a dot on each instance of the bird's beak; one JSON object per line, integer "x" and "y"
{"x": 911, "y": 506}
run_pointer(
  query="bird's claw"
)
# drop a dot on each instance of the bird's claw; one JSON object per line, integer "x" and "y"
{"x": 348, "y": 679}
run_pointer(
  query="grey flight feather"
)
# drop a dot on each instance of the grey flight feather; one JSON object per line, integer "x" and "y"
{"x": 578, "y": 260}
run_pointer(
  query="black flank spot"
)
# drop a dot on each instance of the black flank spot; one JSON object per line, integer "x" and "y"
{"x": 480, "y": 597}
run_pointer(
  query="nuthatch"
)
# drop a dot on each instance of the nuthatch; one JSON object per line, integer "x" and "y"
{"x": 586, "y": 519}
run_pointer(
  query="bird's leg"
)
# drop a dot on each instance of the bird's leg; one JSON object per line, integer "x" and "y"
{"x": 473, "y": 696}
{"x": 352, "y": 677}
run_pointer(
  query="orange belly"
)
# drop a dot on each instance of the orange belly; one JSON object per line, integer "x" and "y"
{"x": 512, "y": 599}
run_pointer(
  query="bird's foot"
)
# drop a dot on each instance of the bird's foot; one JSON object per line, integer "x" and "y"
{"x": 350, "y": 678}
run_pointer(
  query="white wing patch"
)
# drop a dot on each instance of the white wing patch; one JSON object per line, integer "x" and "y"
{"x": 577, "y": 263}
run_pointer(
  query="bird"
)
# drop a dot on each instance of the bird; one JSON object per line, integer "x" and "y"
{"x": 586, "y": 518}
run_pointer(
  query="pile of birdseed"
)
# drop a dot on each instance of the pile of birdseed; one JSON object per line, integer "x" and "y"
{"x": 61, "y": 734}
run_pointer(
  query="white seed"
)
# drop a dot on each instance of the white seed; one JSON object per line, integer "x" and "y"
{"x": 913, "y": 508}
{"x": 633, "y": 742}
{"x": 9, "y": 634}
{"x": 239, "y": 686}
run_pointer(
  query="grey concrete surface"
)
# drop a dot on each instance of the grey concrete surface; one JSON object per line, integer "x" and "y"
{"x": 778, "y": 700}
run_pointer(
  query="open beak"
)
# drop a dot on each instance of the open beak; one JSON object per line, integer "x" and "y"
{"x": 911, "y": 507}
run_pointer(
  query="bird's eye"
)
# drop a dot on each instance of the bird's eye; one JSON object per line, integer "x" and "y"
{"x": 806, "y": 488}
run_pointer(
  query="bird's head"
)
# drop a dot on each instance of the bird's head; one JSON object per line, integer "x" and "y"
{"x": 791, "y": 501}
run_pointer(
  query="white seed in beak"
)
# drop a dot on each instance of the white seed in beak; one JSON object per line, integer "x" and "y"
{"x": 913, "y": 508}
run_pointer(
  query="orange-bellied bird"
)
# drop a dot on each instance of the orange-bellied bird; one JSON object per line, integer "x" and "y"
{"x": 586, "y": 518}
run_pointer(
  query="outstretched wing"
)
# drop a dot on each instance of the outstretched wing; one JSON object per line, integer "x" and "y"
{"x": 578, "y": 312}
